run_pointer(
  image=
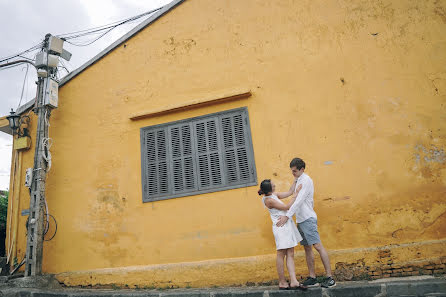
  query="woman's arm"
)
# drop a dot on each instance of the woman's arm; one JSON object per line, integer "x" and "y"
{"x": 290, "y": 192}
{"x": 271, "y": 203}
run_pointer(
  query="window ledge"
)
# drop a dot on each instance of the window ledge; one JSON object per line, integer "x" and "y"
{"x": 229, "y": 96}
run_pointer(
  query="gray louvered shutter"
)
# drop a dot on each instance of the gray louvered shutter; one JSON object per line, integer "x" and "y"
{"x": 156, "y": 154}
{"x": 183, "y": 170}
{"x": 237, "y": 148}
{"x": 198, "y": 155}
{"x": 208, "y": 151}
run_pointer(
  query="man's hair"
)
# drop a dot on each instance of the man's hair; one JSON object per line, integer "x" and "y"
{"x": 298, "y": 163}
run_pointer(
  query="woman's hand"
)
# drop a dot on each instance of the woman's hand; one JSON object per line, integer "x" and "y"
{"x": 297, "y": 191}
{"x": 290, "y": 192}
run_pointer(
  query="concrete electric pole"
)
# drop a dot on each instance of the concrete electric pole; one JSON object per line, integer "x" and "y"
{"x": 46, "y": 100}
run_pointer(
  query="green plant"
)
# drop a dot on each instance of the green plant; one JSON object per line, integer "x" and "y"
{"x": 3, "y": 208}
{"x": 115, "y": 287}
{"x": 363, "y": 276}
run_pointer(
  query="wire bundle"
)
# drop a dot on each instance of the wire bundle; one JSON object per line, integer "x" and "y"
{"x": 77, "y": 38}
{"x": 99, "y": 32}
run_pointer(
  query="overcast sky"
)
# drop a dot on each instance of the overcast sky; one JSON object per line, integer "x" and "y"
{"x": 24, "y": 23}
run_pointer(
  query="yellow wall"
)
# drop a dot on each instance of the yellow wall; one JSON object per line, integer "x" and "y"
{"x": 365, "y": 111}
{"x": 19, "y": 198}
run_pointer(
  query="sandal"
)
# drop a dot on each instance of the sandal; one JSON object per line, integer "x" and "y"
{"x": 284, "y": 288}
{"x": 299, "y": 287}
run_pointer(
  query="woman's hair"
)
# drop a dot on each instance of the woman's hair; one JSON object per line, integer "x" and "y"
{"x": 265, "y": 187}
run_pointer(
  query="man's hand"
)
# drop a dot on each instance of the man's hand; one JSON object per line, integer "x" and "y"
{"x": 282, "y": 221}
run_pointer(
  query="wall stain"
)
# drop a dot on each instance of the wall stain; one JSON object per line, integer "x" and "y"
{"x": 440, "y": 11}
{"x": 178, "y": 46}
{"x": 105, "y": 224}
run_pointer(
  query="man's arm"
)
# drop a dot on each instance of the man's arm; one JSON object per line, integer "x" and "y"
{"x": 290, "y": 192}
{"x": 299, "y": 200}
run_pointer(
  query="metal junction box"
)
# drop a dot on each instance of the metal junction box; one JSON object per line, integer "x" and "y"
{"x": 51, "y": 95}
{"x": 41, "y": 60}
{"x": 55, "y": 45}
{"x": 22, "y": 143}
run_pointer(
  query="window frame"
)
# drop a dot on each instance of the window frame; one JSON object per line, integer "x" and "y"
{"x": 191, "y": 121}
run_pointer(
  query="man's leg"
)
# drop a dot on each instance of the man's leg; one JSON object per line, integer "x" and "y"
{"x": 329, "y": 281}
{"x": 324, "y": 257}
{"x": 309, "y": 255}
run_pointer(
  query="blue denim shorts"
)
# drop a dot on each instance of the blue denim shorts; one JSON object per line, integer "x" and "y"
{"x": 308, "y": 230}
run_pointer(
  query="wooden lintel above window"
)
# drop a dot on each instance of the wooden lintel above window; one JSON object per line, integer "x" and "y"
{"x": 229, "y": 96}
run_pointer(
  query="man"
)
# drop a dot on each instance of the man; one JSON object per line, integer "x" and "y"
{"x": 307, "y": 224}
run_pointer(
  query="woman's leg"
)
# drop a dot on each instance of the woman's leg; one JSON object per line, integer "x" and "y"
{"x": 280, "y": 269}
{"x": 291, "y": 268}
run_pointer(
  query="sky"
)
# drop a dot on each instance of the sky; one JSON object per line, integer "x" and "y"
{"x": 25, "y": 23}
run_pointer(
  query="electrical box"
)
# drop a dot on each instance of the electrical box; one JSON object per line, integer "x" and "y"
{"x": 22, "y": 143}
{"x": 51, "y": 95}
{"x": 65, "y": 55}
{"x": 55, "y": 45}
{"x": 42, "y": 61}
{"x": 42, "y": 73}
{"x": 29, "y": 177}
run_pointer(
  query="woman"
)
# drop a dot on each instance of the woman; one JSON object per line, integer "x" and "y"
{"x": 286, "y": 237}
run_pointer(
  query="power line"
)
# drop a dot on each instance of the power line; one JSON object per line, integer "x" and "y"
{"x": 23, "y": 86}
{"x": 67, "y": 35}
{"x": 93, "y": 41}
{"x": 31, "y": 49}
{"x": 15, "y": 63}
{"x": 105, "y": 27}
{"x": 100, "y": 30}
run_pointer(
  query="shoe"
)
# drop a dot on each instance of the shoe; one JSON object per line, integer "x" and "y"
{"x": 329, "y": 282}
{"x": 299, "y": 287}
{"x": 310, "y": 282}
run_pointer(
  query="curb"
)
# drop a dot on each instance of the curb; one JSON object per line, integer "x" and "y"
{"x": 431, "y": 287}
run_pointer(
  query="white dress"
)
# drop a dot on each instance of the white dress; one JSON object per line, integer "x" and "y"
{"x": 286, "y": 236}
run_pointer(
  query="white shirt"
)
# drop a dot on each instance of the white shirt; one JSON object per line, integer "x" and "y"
{"x": 304, "y": 204}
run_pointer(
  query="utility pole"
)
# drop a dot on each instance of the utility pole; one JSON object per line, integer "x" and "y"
{"x": 34, "y": 242}
{"x": 46, "y": 99}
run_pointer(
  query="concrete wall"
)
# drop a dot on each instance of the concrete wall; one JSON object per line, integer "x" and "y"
{"x": 357, "y": 89}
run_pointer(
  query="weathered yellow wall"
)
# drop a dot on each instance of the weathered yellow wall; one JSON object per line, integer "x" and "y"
{"x": 358, "y": 90}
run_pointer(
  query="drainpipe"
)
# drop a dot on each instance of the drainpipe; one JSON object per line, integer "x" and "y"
{"x": 11, "y": 204}
{"x": 17, "y": 204}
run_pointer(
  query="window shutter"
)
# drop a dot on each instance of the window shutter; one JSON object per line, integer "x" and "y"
{"x": 198, "y": 155}
{"x": 236, "y": 149}
{"x": 157, "y": 182}
{"x": 208, "y": 150}
{"x": 183, "y": 159}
